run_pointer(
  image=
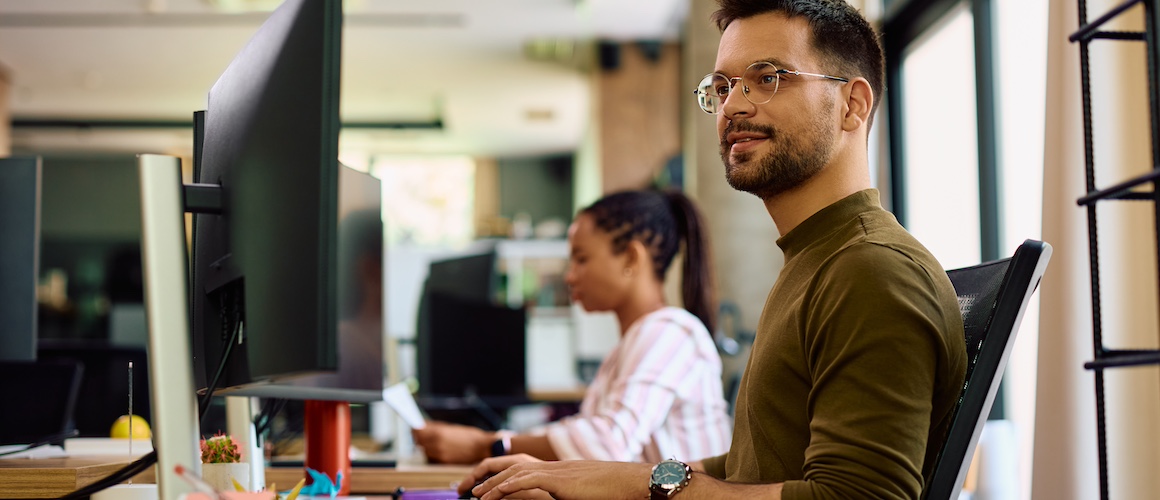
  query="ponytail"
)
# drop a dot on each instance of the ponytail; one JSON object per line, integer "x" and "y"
{"x": 697, "y": 270}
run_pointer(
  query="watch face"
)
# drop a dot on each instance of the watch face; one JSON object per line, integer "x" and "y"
{"x": 669, "y": 473}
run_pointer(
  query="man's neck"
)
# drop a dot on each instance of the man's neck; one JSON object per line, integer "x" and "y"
{"x": 841, "y": 178}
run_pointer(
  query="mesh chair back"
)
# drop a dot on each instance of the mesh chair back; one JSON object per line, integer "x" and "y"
{"x": 992, "y": 298}
{"x": 978, "y": 290}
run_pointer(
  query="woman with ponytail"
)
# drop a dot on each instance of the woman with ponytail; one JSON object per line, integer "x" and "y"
{"x": 658, "y": 394}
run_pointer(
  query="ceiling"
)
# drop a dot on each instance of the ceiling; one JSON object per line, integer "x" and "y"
{"x": 504, "y": 77}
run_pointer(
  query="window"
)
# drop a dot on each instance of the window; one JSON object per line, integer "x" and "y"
{"x": 941, "y": 140}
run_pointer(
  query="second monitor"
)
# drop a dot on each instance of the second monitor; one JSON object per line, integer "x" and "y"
{"x": 467, "y": 344}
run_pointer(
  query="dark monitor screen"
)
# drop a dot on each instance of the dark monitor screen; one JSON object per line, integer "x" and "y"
{"x": 466, "y": 343}
{"x": 470, "y": 276}
{"x": 105, "y": 386}
{"x": 474, "y": 348}
{"x": 267, "y": 267}
{"x": 39, "y": 399}
{"x": 20, "y": 179}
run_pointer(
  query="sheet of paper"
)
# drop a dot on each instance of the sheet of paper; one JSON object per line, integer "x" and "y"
{"x": 42, "y": 451}
{"x": 399, "y": 398}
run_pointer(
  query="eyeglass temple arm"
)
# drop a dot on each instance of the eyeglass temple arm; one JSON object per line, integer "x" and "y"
{"x": 800, "y": 73}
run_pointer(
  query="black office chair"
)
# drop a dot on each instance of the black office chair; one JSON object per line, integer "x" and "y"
{"x": 39, "y": 399}
{"x": 992, "y": 298}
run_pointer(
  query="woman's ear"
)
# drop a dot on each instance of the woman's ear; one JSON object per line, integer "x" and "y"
{"x": 637, "y": 257}
{"x": 859, "y": 102}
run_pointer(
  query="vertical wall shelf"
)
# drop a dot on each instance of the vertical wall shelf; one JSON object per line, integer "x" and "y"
{"x": 1135, "y": 189}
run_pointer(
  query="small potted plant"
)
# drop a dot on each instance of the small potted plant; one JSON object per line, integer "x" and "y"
{"x": 221, "y": 463}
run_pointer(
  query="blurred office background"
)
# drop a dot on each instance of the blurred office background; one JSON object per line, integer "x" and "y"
{"x": 494, "y": 121}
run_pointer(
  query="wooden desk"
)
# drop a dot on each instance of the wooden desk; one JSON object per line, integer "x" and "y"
{"x": 54, "y": 477}
{"x": 571, "y": 395}
{"x": 381, "y": 480}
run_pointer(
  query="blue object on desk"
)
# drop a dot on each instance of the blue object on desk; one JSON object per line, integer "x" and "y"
{"x": 322, "y": 485}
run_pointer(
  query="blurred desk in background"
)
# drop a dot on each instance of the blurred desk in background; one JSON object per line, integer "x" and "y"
{"x": 572, "y": 395}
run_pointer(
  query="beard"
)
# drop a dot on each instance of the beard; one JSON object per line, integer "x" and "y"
{"x": 788, "y": 163}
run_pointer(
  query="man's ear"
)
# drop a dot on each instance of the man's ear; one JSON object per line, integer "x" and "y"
{"x": 859, "y": 102}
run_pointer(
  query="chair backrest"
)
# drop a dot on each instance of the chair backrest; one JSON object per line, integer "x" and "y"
{"x": 992, "y": 297}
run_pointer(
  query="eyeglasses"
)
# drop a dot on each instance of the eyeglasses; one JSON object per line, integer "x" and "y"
{"x": 758, "y": 84}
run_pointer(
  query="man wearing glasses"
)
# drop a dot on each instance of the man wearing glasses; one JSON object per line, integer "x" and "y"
{"x": 859, "y": 358}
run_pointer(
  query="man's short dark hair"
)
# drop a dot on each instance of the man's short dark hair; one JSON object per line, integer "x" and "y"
{"x": 842, "y": 36}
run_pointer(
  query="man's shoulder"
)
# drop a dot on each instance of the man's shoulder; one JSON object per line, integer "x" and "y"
{"x": 876, "y": 259}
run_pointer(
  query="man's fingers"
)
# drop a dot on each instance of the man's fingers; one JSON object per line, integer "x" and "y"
{"x": 491, "y": 482}
{"x": 481, "y": 471}
{"x": 520, "y": 484}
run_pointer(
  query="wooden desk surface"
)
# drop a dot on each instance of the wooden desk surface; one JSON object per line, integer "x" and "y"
{"x": 54, "y": 477}
{"x": 380, "y": 480}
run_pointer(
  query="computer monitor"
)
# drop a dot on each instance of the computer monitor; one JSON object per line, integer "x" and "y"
{"x": 466, "y": 342}
{"x": 474, "y": 348}
{"x": 268, "y": 265}
{"x": 20, "y": 179}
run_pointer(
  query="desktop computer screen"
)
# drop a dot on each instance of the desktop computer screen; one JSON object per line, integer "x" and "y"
{"x": 289, "y": 272}
{"x": 466, "y": 343}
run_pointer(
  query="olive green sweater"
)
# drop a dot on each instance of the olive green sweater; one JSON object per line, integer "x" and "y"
{"x": 858, "y": 363}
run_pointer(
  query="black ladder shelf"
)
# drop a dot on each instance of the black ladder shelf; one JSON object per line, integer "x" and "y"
{"x": 1132, "y": 189}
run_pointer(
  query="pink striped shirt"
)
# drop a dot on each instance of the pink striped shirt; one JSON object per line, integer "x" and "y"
{"x": 657, "y": 395}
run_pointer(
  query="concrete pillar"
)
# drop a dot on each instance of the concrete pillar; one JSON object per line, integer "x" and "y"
{"x": 637, "y": 107}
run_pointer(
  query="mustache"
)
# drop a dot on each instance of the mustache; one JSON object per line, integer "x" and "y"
{"x": 746, "y": 126}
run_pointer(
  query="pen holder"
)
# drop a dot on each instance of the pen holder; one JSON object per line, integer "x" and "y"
{"x": 222, "y": 476}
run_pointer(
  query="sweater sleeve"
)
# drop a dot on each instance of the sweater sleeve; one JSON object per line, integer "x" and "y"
{"x": 872, "y": 356}
{"x": 653, "y": 364}
{"x": 715, "y": 466}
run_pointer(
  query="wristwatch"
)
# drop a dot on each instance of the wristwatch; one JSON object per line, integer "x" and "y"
{"x": 668, "y": 477}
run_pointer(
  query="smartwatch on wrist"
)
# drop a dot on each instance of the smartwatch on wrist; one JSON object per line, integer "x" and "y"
{"x": 501, "y": 446}
{"x": 668, "y": 477}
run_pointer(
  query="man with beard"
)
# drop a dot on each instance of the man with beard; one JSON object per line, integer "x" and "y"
{"x": 859, "y": 358}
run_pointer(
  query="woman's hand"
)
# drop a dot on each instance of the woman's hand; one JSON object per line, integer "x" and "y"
{"x": 453, "y": 444}
{"x": 490, "y": 467}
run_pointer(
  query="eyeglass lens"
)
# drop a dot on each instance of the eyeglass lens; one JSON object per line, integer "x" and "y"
{"x": 758, "y": 84}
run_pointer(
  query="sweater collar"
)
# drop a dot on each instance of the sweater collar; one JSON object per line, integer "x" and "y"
{"x": 826, "y": 220}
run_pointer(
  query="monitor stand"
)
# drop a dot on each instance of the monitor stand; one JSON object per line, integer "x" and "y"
{"x": 163, "y": 255}
{"x": 328, "y": 440}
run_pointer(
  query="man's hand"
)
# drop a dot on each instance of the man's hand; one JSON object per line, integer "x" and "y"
{"x": 453, "y": 444}
{"x": 490, "y": 467}
{"x": 567, "y": 480}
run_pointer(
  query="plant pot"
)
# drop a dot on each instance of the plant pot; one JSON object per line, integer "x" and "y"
{"x": 219, "y": 475}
